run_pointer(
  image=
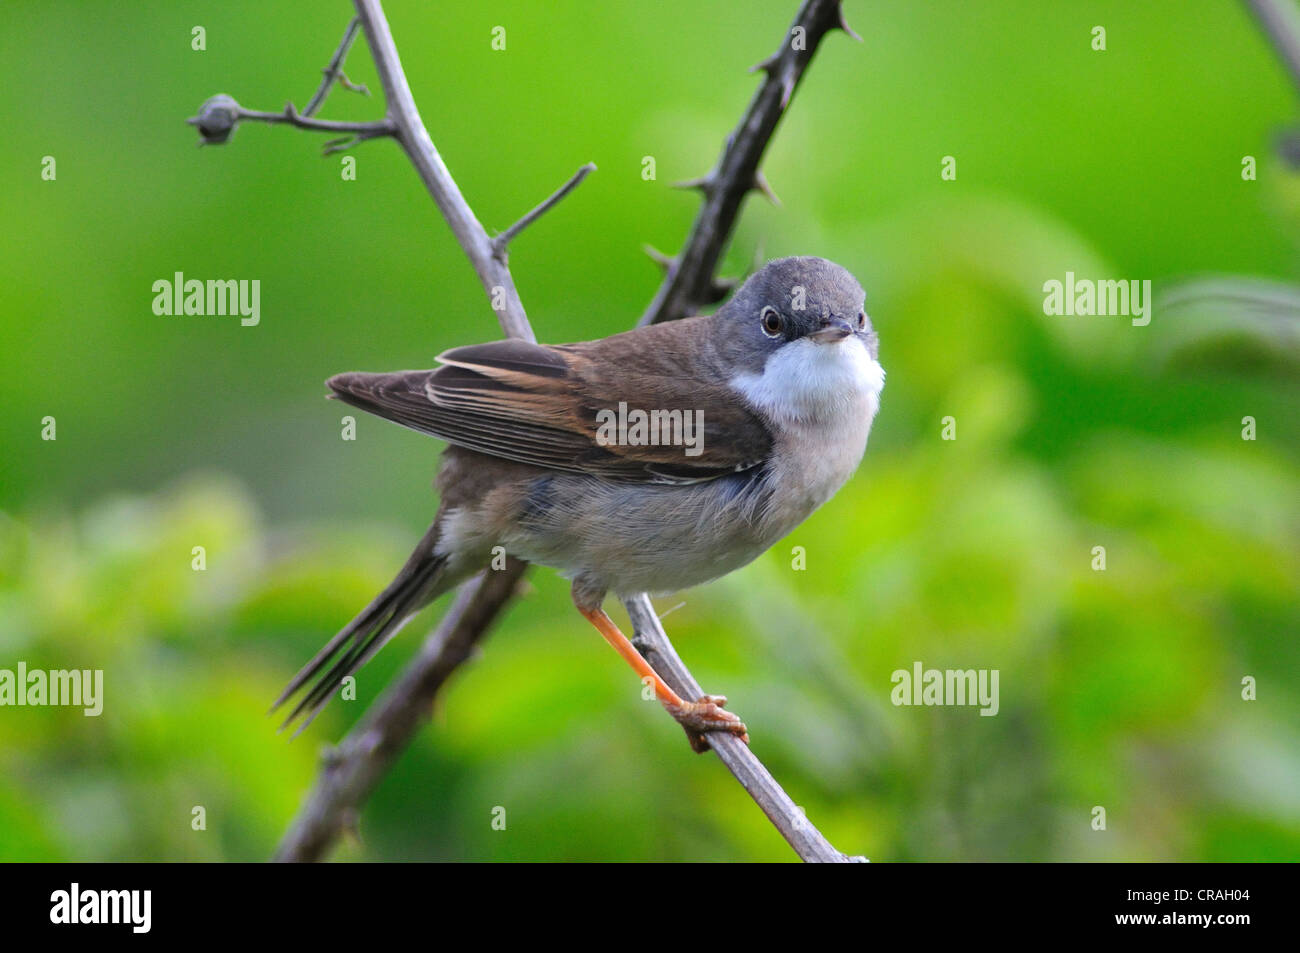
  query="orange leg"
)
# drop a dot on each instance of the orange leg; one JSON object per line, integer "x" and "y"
{"x": 697, "y": 717}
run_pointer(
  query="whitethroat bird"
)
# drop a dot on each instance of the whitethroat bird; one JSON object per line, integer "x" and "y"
{"x": 767, "y": 404}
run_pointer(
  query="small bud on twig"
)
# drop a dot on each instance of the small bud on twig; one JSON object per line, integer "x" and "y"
{"x": 216, "y": 119}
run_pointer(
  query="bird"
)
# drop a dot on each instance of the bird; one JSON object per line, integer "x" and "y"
{"x": 652, "y": 460}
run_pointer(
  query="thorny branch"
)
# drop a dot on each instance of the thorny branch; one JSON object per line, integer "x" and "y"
{"x": 353, "y": 769}
{"x": 690, "y": 282}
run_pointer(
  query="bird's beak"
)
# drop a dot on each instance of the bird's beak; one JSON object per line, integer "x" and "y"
{"x": 833, "y": 330}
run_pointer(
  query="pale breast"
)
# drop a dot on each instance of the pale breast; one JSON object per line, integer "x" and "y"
{"x": 821, "y": 400}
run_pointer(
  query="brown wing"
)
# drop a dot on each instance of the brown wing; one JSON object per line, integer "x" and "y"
{"x": 543, "y": 405}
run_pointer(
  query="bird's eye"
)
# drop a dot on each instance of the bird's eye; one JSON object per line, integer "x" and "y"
{"x": 771, "y": 321}
{"x": 862, "y": 320}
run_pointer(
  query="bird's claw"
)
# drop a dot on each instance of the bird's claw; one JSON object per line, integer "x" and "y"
{"x": 698, "y": 718}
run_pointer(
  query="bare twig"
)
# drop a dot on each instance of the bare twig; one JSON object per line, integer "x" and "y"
{"x": 334, "y": 71}
{"x": 690, "y": 283}
{"x": 360, "y": 761}
{"x": 368, "y": 129}
{"x": 500, "y": 243}
{"x": 220, "y": 115}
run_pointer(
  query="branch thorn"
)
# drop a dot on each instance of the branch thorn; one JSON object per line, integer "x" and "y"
{"x": 719, "y": 288}
{"x": 843, "y": 24}
{"x": 342, "y": 144}
{"x": 762, "y": 185}
{"x": 705, "y": 183}
{"x": 665, "y": 262}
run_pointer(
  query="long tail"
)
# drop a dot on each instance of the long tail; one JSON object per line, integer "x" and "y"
{"x": 420, "y": 581}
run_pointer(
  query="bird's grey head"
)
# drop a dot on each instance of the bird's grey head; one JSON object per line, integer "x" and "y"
{"x": 799, "y": 344}
{"x": 795, "y": 299}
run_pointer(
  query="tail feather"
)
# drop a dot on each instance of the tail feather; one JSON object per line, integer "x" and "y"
{"x": 419, "y": 583}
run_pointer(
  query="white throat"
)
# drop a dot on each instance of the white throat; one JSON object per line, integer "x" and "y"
{"x": 819, "y": 384}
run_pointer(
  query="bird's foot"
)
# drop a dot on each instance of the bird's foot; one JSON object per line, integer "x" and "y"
{"x": 697, "y": 718}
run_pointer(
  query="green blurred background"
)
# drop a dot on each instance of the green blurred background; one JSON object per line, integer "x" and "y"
{"x": 1119, "y": 689}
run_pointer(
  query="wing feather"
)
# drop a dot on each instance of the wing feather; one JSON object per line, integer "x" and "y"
{"x": 538, "y": 405}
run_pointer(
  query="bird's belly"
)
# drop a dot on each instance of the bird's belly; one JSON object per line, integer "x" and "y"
{"x": 644, "y": 539}
{"x": 630, "y": 538}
